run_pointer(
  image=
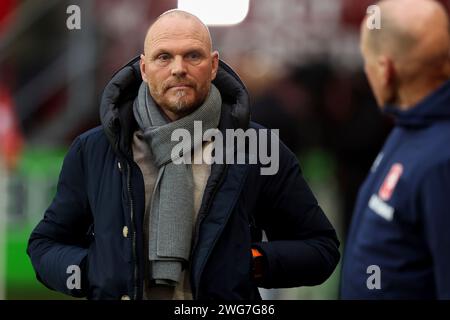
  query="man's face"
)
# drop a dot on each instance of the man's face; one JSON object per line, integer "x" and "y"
{"x": 178, "y": 65}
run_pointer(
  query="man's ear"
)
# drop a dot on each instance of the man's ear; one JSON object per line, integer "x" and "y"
{"x": 387, "y": 71}
{"x": 388, "y": 78}
{"x": 142, "y": 67}
{"x": 215, "y": 64}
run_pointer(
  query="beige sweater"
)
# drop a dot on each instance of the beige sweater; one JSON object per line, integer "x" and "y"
{"x": 143, "y": 157}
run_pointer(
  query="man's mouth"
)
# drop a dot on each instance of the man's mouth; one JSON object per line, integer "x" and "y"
{"x": 180, "y": 86}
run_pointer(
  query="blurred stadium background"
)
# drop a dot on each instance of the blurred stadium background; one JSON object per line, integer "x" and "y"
{"x": 299, "y": 58}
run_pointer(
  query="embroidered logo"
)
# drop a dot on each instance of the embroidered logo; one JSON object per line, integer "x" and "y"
{"x": 388, "y": 186}
{"x": 381, "y": 208}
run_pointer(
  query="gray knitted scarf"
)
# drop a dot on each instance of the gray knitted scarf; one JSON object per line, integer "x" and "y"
{"x": 172, "y": 204}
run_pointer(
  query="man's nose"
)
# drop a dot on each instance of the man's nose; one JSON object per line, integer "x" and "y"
{"x": 178, "y": 67}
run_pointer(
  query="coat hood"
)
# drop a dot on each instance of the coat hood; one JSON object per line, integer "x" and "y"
{"x": 434, "y": 107}
{"x": 116, "y": 106}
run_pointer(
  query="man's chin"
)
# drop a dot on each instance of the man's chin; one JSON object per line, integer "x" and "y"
{"x": 182, "y": 108}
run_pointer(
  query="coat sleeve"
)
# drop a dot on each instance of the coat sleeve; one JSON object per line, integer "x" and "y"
{"x": 435, "y": 204}
{"x": 302, "y": 246}
{"x": 60, "y": 239}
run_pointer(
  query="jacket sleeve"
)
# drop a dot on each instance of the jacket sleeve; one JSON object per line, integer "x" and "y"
{"x": 59, "y": 241}
{"x": 435, "y": 204}
{"x": 302, "y": 246}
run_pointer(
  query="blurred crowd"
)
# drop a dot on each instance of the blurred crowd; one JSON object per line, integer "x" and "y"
{"x": 299, "y": 59}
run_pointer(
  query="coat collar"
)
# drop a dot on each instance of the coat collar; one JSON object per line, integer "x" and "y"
{"x": 433, "y": 107}
{"x": 116, "y": 112}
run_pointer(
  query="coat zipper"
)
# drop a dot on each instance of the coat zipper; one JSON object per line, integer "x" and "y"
{"x": 200, "y": 219}
{"x": 133, "y": 231}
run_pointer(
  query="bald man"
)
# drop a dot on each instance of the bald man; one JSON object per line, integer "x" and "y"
{"x": 131, "y": 221}
{"x": 398, "y": 246}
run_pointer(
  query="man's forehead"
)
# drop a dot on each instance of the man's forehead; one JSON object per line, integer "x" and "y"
{"x": 180, "y": 46}
{"x": 176, "y": 32}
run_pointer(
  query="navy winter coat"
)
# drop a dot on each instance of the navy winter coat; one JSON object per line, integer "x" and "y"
{"x": 401, "y": 223}
{"x": 96, "y": 218}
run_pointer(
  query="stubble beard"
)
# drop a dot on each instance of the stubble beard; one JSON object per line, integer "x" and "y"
{"x": 181, "y": 104}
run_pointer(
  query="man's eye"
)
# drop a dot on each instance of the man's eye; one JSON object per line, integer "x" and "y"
{"x": 163, "y": 57}
{"x": 193, "y": 56}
